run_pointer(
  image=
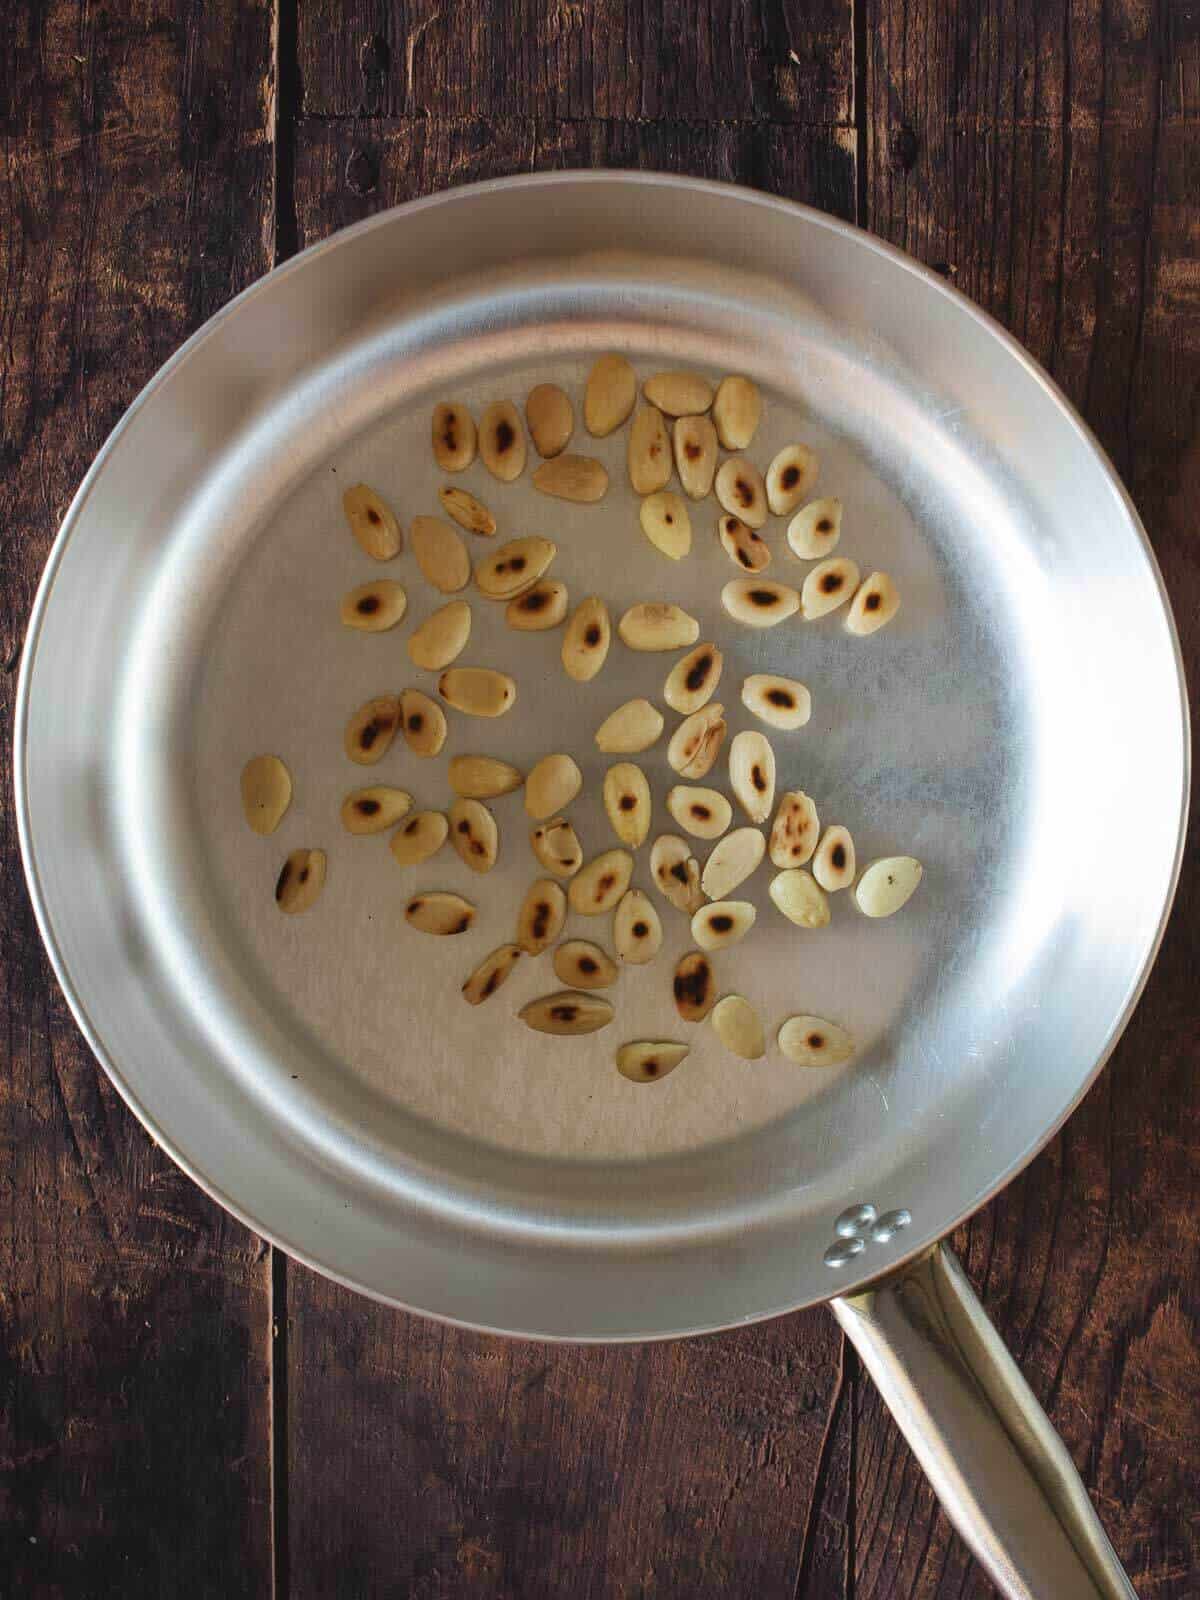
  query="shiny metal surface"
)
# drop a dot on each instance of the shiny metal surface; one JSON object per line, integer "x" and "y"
{"x": 319, "y": 1075}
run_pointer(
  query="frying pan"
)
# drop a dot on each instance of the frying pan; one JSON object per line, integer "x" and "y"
{"x": 319, "y": 1075}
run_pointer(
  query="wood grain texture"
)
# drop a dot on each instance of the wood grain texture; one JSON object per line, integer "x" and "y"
{"x": 134, "y": 1417}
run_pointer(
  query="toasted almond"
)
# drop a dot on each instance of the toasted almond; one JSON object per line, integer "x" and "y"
{"x": 423, "y": 722}
{"x": 790, "y": 477}
{"x": 637, "y": 930}
{"x": 633, "y": 727}
{"x": 266, "y": 793}
{"x": 502, "y": 441}
{"x": 657, "y": 625}
{"x": 737, "y": 1025}
{"x": 781, "y": 702}
{"x": 741, "y": 490}
{"x": 468, "y": 512}
{"x": 813, "y": 1042}
{"x": 694, "y": 987}
{"x": 667, "y": 523}
{"x": 833, "y": 864}
{"x": 874, "y": 604}
{"x": 552, "y": 783}
{"x": 375, "y": 809}
{"x": 697, "y": 741}
{"x": 556, "y": 845}
{"x": 580, "y": 964}
{"x": 482, "y": 777}
{"x": 649, "y": 1060}
{"x": 371, "y": 729}
{"x": 300, "y": 881}
{"x": 441, "y": 637}
{"x": 705, "y": 813}
{"x": 748, "y": 550}
{"x": 474, "y": 834}
{"x": 541, "y": 917}
{"x": 550, "y": 418}
{"x": 609, "y": 395}
{"x": 569, "y": 477}
{"x": 731, "y": 861}
{"x": 648, "y": 453}
{"x": 692, "y": 681}
{"x": 544, "y": 606}
{"x": 800, "y": 897}
{"x": 568, "y": 1012}
{"x": 695, "y": 444}
{"x": 478, "y": 691}
{"x": 514, "y": 567}
{"x": 454, "y": 437}
{"x": 439, "y": 913}
{"x": 752, "y": 774}
{"x": 736, "y": 410}
{"x": 601, "y": 883}
{"x": 815, "y": 529}
{"x": 491, "y": 973}
{"x": 887, "y": 885}
{"x": 372, "y": 522}
{"x": 441, "y": 554}
{"x": 586, "y": 640}
{"x": 724, "y": 922}
{"x": 417, "y": 838}
{"x": 627, "y": 803}
{"x": 758, "y": 602}
{"x": 828, "y": 586}
{"x": 676, "y": 873}
{"x": 374, "y": 607}
{"x": 679, "y": 394}
{"x": 795, "y": 831}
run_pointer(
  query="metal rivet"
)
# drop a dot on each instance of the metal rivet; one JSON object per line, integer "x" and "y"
{"x": 889, "y": 1224}
{"x": 855, "y": 1220}
{"x": 845, "y": 1250}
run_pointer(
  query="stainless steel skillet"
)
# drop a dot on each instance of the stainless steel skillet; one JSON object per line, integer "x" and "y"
{"x": 319, "y": 1075}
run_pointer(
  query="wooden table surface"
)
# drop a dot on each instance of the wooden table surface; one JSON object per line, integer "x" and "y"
{"x": 183, "y": 1412}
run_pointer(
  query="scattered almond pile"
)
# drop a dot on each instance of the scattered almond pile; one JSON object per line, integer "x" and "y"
{"x": 681, "y": 428}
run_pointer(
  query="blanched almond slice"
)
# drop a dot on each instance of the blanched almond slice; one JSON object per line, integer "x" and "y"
{"x": 609, "y": 395}
{"x": 300, "y": 881}
{"x": 441, "y": 637}
{"x": 586, "y": 640}
{"x": 492, "y": 972}
{"x": 746, "y": 549}
{"x": 544, "y": 606}
{"x": 887, "y": 885}
{"x": 552, "y": 783}
{"x": 679, "y": 394}
{"x": 790, "y": 477}
{"x": 541, "y": 917}
{"x": 439, "y": 913}
{"x": 423, "y": 723}
{"x": 722, "y": 923}
{"x": 514, "y": 567}
{"x": 752, "y": 774}
{"x": 482, "y": 777}
{"x": 737, "y": 1025}
{"x": 374, "y": 607}
{"x": 695, "y": 443}
{"x": 648, "y": 454}
{"x": 795, "y": 831}
{"x": 782, "y": 702}
{"x": 741, "y": 491}
{"x": 694, "y": 987}
{"x": 502, "y": 441}
{"x": 815, "y": 529}
{"x": 478, "y": 691}
{"x": 828, "y": 586}
{"x": 627, "y": 803}
{"x": 630, "y": 728}
{"x": 692, "y": 681}
{"x": 697, "y": 740}
{"x": 736, "y": 411}
{"x": 579, "y": 478}
{"x": 667, "y": 523}
{"x": 474, "y": 834}
{"x": 580, "y": 964}
{"x": 813, "y": 1042}
{"x": 800, "y": 897}
{"x": 372, "y": 522}
{"x": 468, "y": 512}
{"x": 419, "y": 837}
{"x": 266, "y": 793}
{"x": 453, "y": 437}
{"x": 637, "y": 931}
{"x": 657, "y": 625}
{"x": 371, "y": 729}
{"x": 569, "y": 1012}
{"x": 833, "y": 865}
{"x": 601, "y": 883}
{"x": 676, "y": 873}
{"x": 758, "y": 602}
{"x": 648, "y": 1061}
{"x": 731, "y": 861}
{"x": 874, "y": 604}
{"x": 705, "y": 813}
{"x": 441, "y": 554}
{"x": 375, "y": 809}
{"x": 550, "y": 418}
{"x": 556, "y": 845}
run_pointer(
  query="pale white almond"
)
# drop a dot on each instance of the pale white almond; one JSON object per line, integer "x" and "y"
{"x": 740, "y": 489}
{"x": 874, "y": 604}
{"x": 737, "y": 1025}
{"x": 781, "y": 702}
{"x": 722, "y": 923}
{"x": 454, "y": 437}
{"x": 627, "y": 803}
{"x": 697, "y": 741}
{"x": 694, "y": 986}
{"x": 747, "y": 549}
{"x": 649, "y": 1060}
{"x": 637, "y": 930}
{"x": 468, "y": 512}
{"x": 544, "y": 606}
{"x": 833, "y": 865}
{"x": 371, "y": 729}
{"x": 609, "y": 395}
{"x": 582, "y": 479}
{"x": 586, "y": 640}
{"x": 417, "y": 838}
{"x": 442, "y": 637}
{"x": 598, "y": 886}
{"x": 474, "y": 834}
{"x": 372, "y": 522}
{"x": 569, "y": 1012}
{"x": 491, "y": 973}
{"x": 541, "y": 917}
{"x": 375, "y": 809}
{"x": 887, "y": 885}
{"x": 676, "y": 873}
{"x": 648, "y": 454}
{"x": 692, "y": 681}
{"x": 813, "y": 1042}
{"x": 815, "y": 529}
{"x": 266, "y": 793}
{"x": 551, "y": 783}
{"x": 550, "y": 418}
{"x": 300, "y": 881}
{"x": 514, "y": 567}
{"x": 796, "y": 829}
{"x": 736, "y": 410}
{"x": 580, "y": 964}
{"x": 800, "y": 897}
{"x": 423, "y": 723}
{"x": 828, "y": 586}
{"x": 695, "y": 445}
{"x": 482, "y": 777}
{"x": 439, "y": 913}
{"x": 679, "y": 394}
{"x": 478, "y": 691}
{"x": 657, "y": 625}
{"x": 441, "y": 554}
{"x": 790, "y": 477}
{"x": 731, "y": 861}
{"x": 705, "y": 813}
{"x": 667, "y": 523}
{"x": 752, "y": 774}
{"x": 502, "y": 441}
{"x": 758, "y": 602}
{"x": 374, "y": 607}
{"x": 556, "y": 845}
{"x": 633, "y": 727}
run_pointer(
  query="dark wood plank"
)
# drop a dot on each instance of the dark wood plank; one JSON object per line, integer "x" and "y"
{"x": 134, "y": 1407}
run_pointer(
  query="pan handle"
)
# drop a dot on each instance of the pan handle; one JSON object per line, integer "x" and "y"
{"x": 1000, "y": 1470}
